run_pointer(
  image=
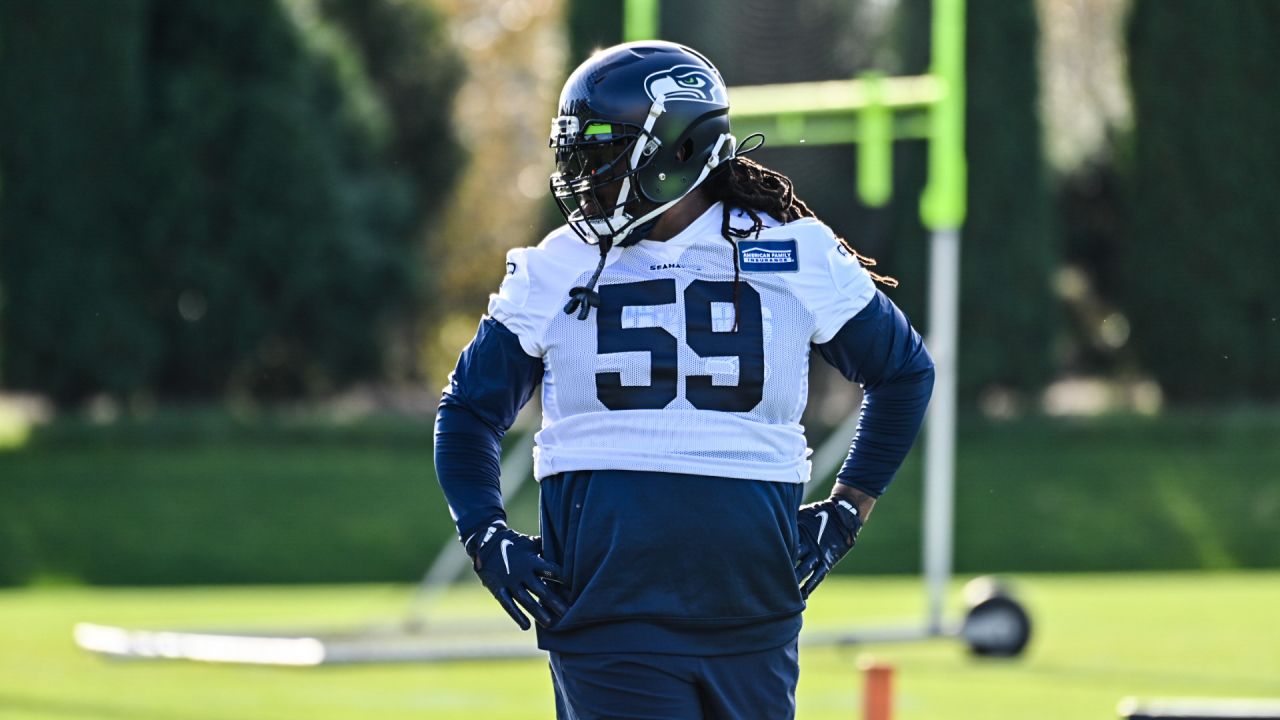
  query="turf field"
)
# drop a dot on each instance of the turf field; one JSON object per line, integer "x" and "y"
{"x": 1098, "y": 638}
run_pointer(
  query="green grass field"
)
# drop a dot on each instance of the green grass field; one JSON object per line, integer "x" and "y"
{"x": 1098, "y": 638}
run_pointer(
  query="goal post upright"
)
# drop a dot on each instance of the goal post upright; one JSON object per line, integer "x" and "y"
{"x": 943, "y": 210}
{"x": 873, "y": 111}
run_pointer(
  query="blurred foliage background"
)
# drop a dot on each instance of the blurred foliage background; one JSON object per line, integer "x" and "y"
{"x": 241, "y": 244}
{"x": 220, "y": 199}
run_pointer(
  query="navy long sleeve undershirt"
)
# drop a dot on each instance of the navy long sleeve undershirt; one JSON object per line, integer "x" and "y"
{"x": 879, "y": 350}
{"x": 494, "y": 378}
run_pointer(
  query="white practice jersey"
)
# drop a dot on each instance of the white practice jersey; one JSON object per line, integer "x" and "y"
{"x": 659, "y": 377}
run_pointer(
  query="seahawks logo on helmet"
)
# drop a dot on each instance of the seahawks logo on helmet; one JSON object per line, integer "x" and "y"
{"x": 685, "y": 82}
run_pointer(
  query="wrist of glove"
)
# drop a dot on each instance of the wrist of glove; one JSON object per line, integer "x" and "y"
{"x": 827, "y": 531}
{"x": 511, "y": 566}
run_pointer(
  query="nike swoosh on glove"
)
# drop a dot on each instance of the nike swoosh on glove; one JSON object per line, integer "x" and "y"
{"x": 511, "y": 566}
{"x": 828, "y": 530}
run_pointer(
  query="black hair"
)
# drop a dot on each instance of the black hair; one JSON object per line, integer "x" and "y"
{"x": 754, "y": 189}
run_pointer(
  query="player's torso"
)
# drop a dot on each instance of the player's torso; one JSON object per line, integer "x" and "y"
{"x": 661, "y": 375}
{"x": 664, "y": 337}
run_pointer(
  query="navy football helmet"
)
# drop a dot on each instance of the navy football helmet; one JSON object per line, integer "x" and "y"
{"x": 640, "y": 126}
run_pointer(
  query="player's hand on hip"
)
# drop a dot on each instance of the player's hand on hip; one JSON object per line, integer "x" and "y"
{"x": 511, "y": 566}
{"x": 828, "y": 530}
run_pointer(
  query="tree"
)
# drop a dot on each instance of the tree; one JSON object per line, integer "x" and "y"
{"x": 205, "y": 198}
{"x": 1200, "y": 265}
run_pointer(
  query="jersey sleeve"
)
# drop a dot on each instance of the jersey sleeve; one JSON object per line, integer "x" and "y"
{"x": 830, "y": 281}
{"x": 536, "y": 286}
{"x": 510, "y": 305}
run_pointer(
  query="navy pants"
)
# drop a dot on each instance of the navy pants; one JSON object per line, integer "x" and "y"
{"x": 644, "y": 686}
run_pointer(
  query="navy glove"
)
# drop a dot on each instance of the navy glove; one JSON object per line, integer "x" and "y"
{"x": 828, "y": 530}
{"x": 511, "y": 566}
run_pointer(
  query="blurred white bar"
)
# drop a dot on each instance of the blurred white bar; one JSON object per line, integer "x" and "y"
{"x": 939, "y": 459}
{"x": 1197, "y": 708}
{"x": 200, "y": 647}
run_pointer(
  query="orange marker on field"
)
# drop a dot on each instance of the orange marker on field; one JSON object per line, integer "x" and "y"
{"x": 877, "y": 691}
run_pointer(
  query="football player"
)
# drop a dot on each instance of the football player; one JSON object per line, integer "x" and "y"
{"x": 669, "y": 323}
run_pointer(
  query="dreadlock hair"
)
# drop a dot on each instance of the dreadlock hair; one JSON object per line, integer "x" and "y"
{"x": 755, "y": 189}
{"x": 747, "y": 185}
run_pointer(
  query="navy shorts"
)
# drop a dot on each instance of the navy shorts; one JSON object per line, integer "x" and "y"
{"x": 643, "y": 686}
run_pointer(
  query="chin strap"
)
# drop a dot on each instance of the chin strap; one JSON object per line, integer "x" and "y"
{"x": 584, "y": 297}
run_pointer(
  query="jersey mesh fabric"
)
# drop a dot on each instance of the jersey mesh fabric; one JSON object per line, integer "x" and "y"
{"x": 795, "y": 307}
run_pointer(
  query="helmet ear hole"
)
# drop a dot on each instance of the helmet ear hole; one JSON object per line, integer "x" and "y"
{"x": 685, "y": 150}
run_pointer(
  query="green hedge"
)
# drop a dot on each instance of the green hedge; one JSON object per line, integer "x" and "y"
{"x": 211, "y": 500}
{"x": 207, "y": 499}
{"x": 1193, "y": 491}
